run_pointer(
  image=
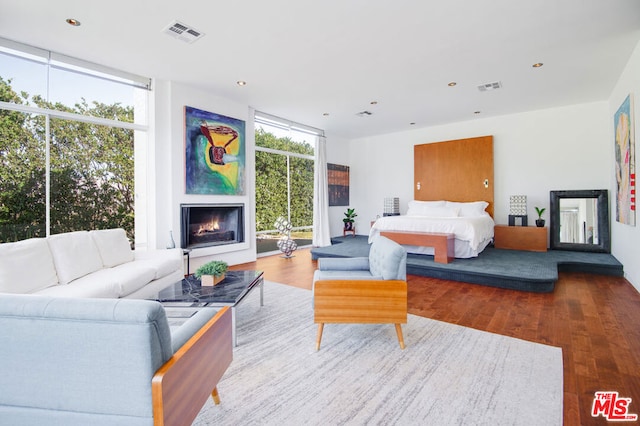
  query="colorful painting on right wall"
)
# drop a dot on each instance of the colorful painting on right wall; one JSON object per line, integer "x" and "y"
{"x": 625, "y": 164}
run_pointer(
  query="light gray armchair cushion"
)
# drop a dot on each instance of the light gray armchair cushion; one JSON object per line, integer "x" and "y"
{"x": 82, "y": 361}
{"x": 387, "y": 261}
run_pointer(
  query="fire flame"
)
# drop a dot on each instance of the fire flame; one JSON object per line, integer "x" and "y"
{"x": 208, "y": 227}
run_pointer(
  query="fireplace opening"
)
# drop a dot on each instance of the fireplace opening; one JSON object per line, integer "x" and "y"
{"x": 206, "y": 225}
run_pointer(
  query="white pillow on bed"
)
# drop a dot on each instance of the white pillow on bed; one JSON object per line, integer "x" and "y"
{"x": 421, "y": 208}
{"x": 471, "y": 209}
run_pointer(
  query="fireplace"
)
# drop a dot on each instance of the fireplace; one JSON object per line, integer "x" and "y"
{"x": 206, "y": 225}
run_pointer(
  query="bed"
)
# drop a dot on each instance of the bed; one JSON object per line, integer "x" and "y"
{"x": 471, "y": 225}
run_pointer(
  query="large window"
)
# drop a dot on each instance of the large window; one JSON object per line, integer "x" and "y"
{"x": 68, "y": 135}
{"x": 284, "y": 180}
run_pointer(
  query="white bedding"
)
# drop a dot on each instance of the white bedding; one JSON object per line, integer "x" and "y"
{"x": 472, "y": 234}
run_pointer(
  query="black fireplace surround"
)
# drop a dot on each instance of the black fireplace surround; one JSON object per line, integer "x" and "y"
{"x": 206, "y": 225}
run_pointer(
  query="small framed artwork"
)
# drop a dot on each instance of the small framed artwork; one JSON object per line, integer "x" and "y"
{"x": 338, "y": 180}
{"x": 214, "y": 153}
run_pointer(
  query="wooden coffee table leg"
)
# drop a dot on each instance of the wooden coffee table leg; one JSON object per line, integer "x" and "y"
{"x": 319, "y": 338}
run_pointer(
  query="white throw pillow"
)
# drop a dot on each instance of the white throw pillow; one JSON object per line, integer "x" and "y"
{"x": 422, "y": 208}
{"x": 470, "y": 209}
{"x": 113, "y": 246}
{"x": 26, "y": 266}
{"x": 74, "y": 254}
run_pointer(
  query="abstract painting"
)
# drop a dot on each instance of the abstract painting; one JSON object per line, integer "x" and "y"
{"x": 214, "y": 153}
{"x": 625, "y": 164}
{"x": 338, "y": 180}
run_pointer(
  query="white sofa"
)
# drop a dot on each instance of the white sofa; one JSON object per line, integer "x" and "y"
{"x": 96, "y": 264}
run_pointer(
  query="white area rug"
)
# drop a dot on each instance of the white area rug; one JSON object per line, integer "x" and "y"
{"x": 447, "y": 375}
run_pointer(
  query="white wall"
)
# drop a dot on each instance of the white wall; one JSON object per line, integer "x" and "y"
{"x": 170, "y": 100}
{"x": 625, "y": 239}
{"x": 534, "y": 153}
{"x": 337, "y": 153}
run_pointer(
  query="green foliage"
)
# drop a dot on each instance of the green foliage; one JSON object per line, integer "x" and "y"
{"x": 215, "y": 267}
{"x": 350, "y": 215}
{"x": 91, "y": 169}
{"x": 271, "y": 182}
{"x": 540, "y": 211}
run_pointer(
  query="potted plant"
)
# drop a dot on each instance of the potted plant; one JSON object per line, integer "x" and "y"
{"x": 348, "y": 220}
{"x": 540, "y": 220}
{"x": 211, "y": 273}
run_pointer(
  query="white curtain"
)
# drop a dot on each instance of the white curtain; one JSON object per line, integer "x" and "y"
{"x": 569, "y": 230}
{"x": 321, "y": 233}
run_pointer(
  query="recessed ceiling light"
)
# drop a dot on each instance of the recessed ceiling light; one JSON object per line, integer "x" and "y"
{"x": 325, "y": 114}
{"x": 73, "y": 22}
{"x": 476, "y": 112}
{"x": 374, "y": 102}
{"x": 451, "y": 84}
{"x": 537, "y": 65}
{"x": 412, "y": 124}
{"x": 241, "y": 83}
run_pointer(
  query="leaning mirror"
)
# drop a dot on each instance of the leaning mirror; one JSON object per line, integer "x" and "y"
{"x": 580, "y": 220}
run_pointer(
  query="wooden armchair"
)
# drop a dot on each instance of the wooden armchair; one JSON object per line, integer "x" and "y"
{"x": 361, "y": 302}
{"x": 369, "y": 290}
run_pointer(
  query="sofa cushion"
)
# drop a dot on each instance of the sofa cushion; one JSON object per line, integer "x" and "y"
{"x": 95, "y": 285}
{"x": 163, "y": 262}
{"x": 113, "y": 282}
{"x": 113, "y": 246}
{"x": 74, "y": 255}
{"x": 26, "y": 266}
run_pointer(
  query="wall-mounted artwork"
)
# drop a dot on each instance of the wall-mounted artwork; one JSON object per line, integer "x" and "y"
{"x": 338, "y": 180}
{"x": 625, "y": 164}
{"x": 214, "y": 153}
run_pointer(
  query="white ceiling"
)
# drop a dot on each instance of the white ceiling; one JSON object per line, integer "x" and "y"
{"x": 303, "y": 58}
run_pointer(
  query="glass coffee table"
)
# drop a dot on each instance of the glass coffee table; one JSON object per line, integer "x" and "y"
{"x": 231, "y": 291}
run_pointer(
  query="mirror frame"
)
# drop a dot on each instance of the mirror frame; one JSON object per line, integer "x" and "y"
{"x": 602, "y": 196}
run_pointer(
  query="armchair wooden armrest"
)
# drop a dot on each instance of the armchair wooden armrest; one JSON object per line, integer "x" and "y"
{"x": 182, "y": 385}
{"x": 360, "y": 301}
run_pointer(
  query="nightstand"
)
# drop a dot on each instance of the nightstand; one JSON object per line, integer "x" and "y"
{"x": 530, "y": 238}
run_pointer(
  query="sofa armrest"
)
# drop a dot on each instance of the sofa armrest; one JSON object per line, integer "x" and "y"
{"x": 182, "y": 385}
{"x": 343, "y": 263}
{"x": 181, "y": 335}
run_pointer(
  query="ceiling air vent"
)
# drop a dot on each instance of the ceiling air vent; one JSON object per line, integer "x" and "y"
{"x": 489, "y": 86}
{"x": 364, "y": 113}
{"x": 183, "y": 32}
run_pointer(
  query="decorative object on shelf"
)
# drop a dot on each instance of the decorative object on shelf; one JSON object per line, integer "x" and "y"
{"x": 171, "y": 244}
{"x": 540, "y": 220}
{"x": 286, "y": 245}
{"x": 349, "y": 219}
{"x": 518, "y": 210}
{"x": 211, "y": 273}
{"x": 391, "y": 206}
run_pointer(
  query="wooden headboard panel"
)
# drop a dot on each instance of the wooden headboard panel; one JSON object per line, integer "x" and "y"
{"x": 458, "y": 170}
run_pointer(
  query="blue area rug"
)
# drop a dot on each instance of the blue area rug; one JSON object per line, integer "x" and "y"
{"x": 512, "y": 269}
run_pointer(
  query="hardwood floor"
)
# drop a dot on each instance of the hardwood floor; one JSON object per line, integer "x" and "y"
{"x": 595, "y": 319}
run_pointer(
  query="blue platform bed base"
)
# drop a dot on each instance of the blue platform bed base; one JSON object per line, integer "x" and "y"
{"x": 510, "y": 269}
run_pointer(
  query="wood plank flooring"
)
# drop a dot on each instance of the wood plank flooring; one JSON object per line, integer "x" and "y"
{"x": 595, "y": 319}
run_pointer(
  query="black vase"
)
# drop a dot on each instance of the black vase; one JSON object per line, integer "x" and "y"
{"x": 540, "y": 223}
{"x": 348, "y": 226}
